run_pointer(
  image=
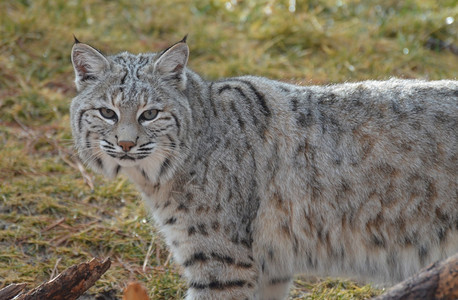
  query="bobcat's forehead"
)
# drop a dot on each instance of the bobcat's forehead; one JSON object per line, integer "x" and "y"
{"x": 137, "y": 95}
{"x": 133, "y": 76}
{"x": 133, "y": 64}
{"x": 131, "y": 68}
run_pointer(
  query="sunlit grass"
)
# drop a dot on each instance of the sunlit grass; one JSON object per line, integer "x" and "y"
{"x": 54, "y": 214}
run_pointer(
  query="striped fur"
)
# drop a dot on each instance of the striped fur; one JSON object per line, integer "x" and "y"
{"x": 251, "y": 180}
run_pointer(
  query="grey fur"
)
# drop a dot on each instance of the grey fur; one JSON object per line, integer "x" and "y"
{"x": 252, "y": 180}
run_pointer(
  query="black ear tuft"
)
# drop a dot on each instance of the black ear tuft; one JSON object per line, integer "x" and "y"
{"x": 76, "y": 40}
{"x": 184, "y": 39}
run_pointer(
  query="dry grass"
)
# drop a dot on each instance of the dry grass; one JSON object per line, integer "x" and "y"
{"x": 54, "y": 214}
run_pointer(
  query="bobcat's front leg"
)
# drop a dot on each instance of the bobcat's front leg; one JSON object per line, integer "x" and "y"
{"x": 216, "y": 272}
{"x": 217, "y": 258}
{"x": 275, "y": 273}
{"x": 274, "y": 288}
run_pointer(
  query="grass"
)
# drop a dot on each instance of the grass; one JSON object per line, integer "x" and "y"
{"x": 54, "y": 214}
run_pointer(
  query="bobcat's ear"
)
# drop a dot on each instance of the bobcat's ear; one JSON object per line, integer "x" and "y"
{"x": 88, "y": 63}
{"x": 172, "y": 62}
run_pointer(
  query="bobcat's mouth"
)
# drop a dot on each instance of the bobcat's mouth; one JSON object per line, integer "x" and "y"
{"x": 128, "y": 159}
{"x": 125, "y": 156}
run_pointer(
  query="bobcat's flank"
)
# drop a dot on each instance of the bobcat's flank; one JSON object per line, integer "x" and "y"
{"x": 252, "y": 180}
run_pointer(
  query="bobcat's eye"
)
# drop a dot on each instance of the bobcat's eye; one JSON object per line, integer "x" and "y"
{"x": 108, "y": 113}
{"x": 148, "y": 115}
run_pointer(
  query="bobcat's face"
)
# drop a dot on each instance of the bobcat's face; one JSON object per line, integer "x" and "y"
{"x": 129, "y": 110}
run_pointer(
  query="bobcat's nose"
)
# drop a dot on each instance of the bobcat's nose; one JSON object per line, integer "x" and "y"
{"x": 126, "y": 145}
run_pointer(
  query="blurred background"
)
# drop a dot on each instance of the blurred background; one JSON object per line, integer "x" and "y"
{"x": 54, "y": 213}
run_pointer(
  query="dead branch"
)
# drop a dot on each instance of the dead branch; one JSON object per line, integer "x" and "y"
{"x": 438, "y": 281}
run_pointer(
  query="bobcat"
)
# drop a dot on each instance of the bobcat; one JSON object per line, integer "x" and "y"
{"x": 252, "y": 180}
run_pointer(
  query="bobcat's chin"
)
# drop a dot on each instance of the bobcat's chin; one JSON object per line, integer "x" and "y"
{"x": 127, "y": 162}
{"x": 110, "y": 165}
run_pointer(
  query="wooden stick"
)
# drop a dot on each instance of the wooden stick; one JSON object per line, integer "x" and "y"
{"x": 71, "y": 283}
{"x": 12, "y": 290}
{"x": 438, "y": 281}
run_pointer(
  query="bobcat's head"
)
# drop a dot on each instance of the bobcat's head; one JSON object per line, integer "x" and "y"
{"x": 131, "y": 110}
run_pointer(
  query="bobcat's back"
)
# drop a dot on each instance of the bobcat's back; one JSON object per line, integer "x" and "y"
{"x": 360, "y": 178}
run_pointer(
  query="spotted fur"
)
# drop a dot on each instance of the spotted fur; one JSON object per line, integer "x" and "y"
{"x": 252, "y": 180}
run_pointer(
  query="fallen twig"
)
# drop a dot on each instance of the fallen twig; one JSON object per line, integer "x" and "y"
{"x": 135, "y": 291}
